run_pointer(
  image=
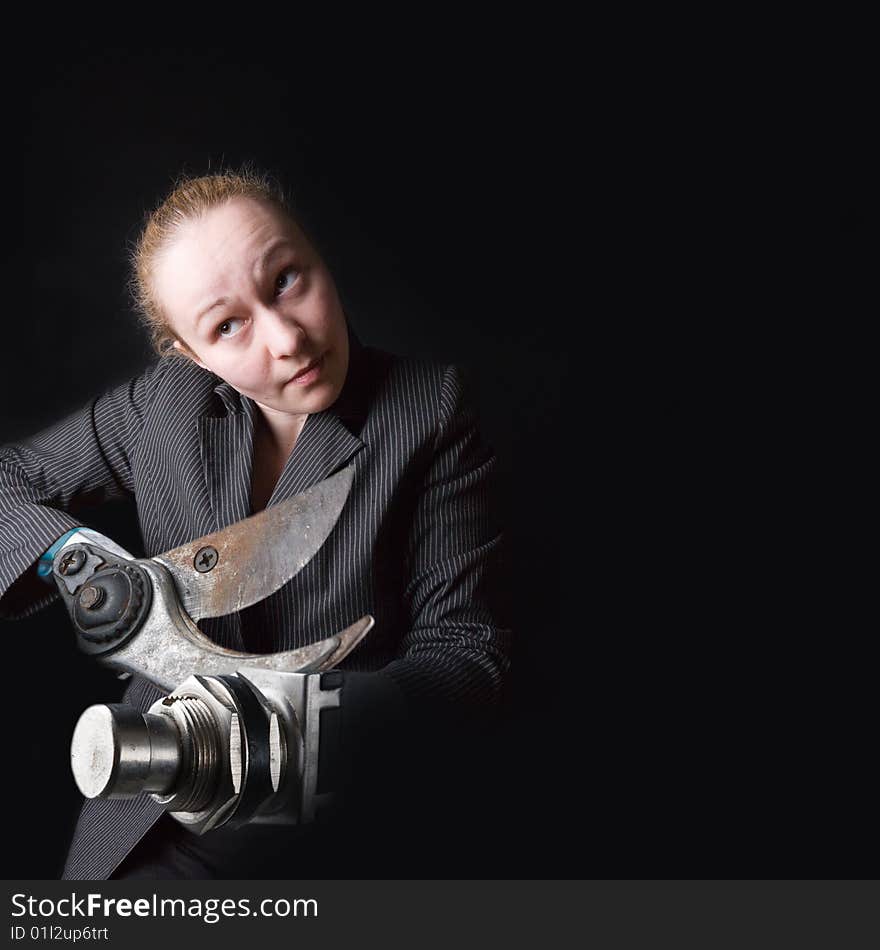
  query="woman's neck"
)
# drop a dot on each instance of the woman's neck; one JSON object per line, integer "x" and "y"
{"x": 280, "y": 429}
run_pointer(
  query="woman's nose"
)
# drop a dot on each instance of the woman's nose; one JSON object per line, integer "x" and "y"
{"x": 281, "y": 335}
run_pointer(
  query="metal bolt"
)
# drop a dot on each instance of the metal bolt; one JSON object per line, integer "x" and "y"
{"x": 205, "y": 560}
{"x": 72, "y": 562}
{"x": 91, "y": 597}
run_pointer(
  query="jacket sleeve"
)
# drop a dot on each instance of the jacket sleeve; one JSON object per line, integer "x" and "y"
{"x": 83, "y": 460}
{"x": 456, "y": 649}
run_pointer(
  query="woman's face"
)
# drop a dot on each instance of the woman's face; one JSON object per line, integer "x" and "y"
{"x": 252, "y": 302}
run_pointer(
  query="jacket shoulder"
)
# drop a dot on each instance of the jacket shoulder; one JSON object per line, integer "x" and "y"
{"x": 417, "y": 381}
{"x": 182, "y": 384}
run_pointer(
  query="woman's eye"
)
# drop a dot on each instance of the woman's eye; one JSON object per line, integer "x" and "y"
{"x": 282, "y": 283}
{"x": 229, "y": 327}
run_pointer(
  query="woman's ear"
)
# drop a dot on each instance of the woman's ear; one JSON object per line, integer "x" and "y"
{"x": 188, "y": 353}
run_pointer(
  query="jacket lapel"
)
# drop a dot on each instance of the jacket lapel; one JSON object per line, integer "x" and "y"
{"x": 323, "y": 447}
{"x": 227, "y": 447}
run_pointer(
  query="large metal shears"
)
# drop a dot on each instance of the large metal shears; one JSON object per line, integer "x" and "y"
{"x": 239, "y": 737}
{"x": 140, "y": 615}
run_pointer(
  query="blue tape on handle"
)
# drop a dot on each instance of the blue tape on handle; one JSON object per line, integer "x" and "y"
{"x": 44, "y": 565}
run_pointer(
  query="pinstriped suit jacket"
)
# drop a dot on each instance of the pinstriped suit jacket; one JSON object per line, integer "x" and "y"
{"x": 418, "y": 544}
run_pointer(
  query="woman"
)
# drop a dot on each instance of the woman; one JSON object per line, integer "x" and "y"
{"x": 262, "y": 389}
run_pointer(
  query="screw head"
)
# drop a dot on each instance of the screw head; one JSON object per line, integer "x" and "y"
{"x": 72, "y": 562}
{"x": 205, "y": 560}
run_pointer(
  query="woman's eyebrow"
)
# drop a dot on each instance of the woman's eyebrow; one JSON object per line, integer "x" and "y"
{"x": 260, "y": 269}
{"x": 220, "y": 302}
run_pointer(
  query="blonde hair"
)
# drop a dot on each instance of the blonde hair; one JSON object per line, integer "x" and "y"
{"x": 189, "y": 199}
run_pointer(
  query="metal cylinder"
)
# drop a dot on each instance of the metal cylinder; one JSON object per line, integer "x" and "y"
{"x": 224, "y": 750}
{"x": 117, "y": 752}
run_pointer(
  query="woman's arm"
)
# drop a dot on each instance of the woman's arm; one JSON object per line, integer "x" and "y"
{"x": 456, "y": 651}
{"x": 401, "y": 726}
{"x": 82, "y": 460}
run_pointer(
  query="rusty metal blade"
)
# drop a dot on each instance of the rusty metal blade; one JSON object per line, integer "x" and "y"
{"x": 241, "y": 565}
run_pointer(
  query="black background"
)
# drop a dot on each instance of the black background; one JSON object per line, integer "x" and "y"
{"x": 663, "y": 722}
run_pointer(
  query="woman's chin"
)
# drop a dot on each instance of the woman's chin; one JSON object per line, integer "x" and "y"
{"x": 319, "y": 399}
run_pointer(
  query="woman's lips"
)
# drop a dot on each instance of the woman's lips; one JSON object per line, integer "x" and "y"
{"x": 310, "y": 373}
